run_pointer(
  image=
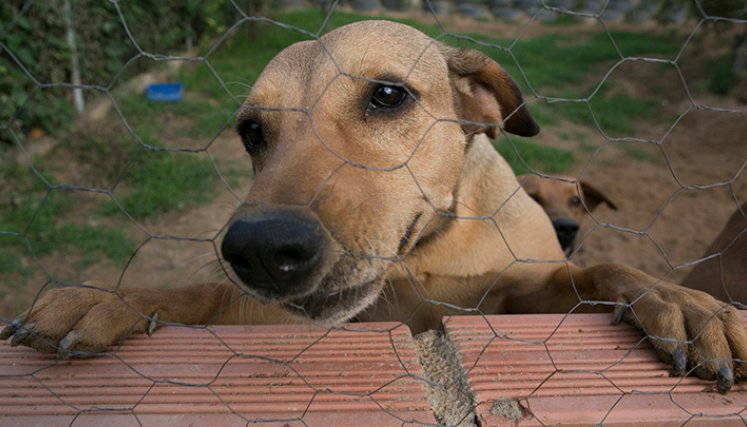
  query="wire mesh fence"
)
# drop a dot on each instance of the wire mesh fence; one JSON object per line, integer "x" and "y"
{"x": 376, "y": 206}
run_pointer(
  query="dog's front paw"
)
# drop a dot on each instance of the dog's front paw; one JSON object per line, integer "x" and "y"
{"x": 689, "y": 329}
{"x": 77, "y": 321}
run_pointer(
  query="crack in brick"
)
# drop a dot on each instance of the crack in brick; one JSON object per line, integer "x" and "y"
{"x": 447, "y": 389}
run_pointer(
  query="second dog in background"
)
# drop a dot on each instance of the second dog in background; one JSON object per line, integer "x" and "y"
{"x": 724, "y": 267}
{"x": 565, "y": 203}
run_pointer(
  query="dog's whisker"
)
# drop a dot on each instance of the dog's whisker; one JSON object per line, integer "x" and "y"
{"x": 229, "y": 207}
{"x": 212, "y": 265}
{"x": 245, "y": 309}
{"x": 207, "y": 254}
{"x": 239, "y": 83}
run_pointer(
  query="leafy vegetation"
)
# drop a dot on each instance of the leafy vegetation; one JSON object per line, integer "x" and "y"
{"x": 38, "y": 43}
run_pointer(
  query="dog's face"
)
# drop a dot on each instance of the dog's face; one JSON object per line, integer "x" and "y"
{"x": 565, "y": 203}
{"x": 358, "y": 142}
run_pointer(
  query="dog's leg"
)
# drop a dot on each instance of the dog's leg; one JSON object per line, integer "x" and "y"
{"x": 90, "y": 318}
{"x": 689, "y": 329}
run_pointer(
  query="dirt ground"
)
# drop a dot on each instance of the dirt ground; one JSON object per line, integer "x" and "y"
{"x": 674, "y": 204}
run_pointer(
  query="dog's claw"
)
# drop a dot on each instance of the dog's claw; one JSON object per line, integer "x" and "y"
{"x": 19, "y": 337}
{"x": 679, "y": 363}
{"x": 725, "y": 379}
{"x": 10, "y": 329}
{"x": 619, "y": 313}
{"x": 66, "y": 344}
{"x": 152, "y": 324}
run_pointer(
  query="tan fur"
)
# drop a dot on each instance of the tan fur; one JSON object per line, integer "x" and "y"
{"x": 724, "y": 273}
{"x": 555, "y": 196}
{"x": 566, "y": 202}
{"x": 365, "y": 178}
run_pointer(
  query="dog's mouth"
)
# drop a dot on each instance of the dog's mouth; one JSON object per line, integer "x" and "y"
{"x": 328, "y": 303}
{"x": 337, "y": 306}
{"x": 333, "y": 287}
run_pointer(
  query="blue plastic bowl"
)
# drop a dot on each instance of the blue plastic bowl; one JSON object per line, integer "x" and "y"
{"x": 165, "y": 92}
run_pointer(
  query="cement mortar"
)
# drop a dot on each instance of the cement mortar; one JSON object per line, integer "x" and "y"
{"x": 447, "y": 388}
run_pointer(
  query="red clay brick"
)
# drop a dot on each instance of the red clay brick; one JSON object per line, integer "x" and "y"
{"x": 577, "y": 369}
{"x": 572, "y": 369}
{"x": 227, "y": 375}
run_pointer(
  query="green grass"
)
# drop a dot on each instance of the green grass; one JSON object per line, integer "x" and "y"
{"x": 569, "y": 66}
{"x": 10, "y": 264}
{"x": 205, "y": 115}
{"x": 615, "y": 114}
{"x": 20, "y": 199}
{"x": 635, "y": 152}
{"x": 234, "y": 175}
{"x": 88, "y": 244}
{"x": 521, "y": 153}
{"x": 94, "y": 241}
{"x": 12, "y": 261}
{"x": 31, "y": 204}
{"x": 563, "y": 21}
{"x": 585, "y": 147}
{"x": 38, "y": 217}
{"x": 722, "y": 80}
{"x": 552, "y": 61}
{"x": 210, "y": 119}
{"x": 159, "y": 182}
{"x": 544, "y": 115}
{"x": 579, "y": 137}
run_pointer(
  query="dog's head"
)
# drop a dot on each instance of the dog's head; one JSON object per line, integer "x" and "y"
{"x": 565, "y": 203}
{"x": 358, "y": 141}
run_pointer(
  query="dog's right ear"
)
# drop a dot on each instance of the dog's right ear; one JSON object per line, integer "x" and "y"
{"x": 487, "y": 94}
{"x": 594, "y": 197}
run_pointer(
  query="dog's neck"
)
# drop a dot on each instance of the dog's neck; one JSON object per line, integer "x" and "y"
{"x": 483, "y": 167}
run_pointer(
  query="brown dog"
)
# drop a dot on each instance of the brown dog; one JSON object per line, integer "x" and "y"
{"x": 379, "y": 197}
{"x": 565, "y": 203}
{"x": 723, "y": 273}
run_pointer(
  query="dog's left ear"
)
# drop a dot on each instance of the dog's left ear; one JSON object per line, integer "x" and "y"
{"x": 487, "y": 94}
{"x": 593, "y": 197}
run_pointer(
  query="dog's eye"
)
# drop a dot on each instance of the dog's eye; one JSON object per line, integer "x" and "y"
{"x": 252, "y": 136}
{"x": 385, "y": 96}
{"x": 535, "y": 197}
{"x": 575, "y": 201}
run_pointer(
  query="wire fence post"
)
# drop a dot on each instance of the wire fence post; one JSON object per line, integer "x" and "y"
{"x": 74, "y": 62}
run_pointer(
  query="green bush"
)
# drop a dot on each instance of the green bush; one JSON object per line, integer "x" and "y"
{"x": 37, "y": 52}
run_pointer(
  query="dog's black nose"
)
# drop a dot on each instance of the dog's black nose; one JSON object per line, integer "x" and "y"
{"x": 274, "y": 253}
{"x": 565, "y": 229}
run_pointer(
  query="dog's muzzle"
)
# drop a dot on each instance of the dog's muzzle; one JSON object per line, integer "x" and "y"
{"x": 566, "y": 230}
{"x": 276, "y": 254}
